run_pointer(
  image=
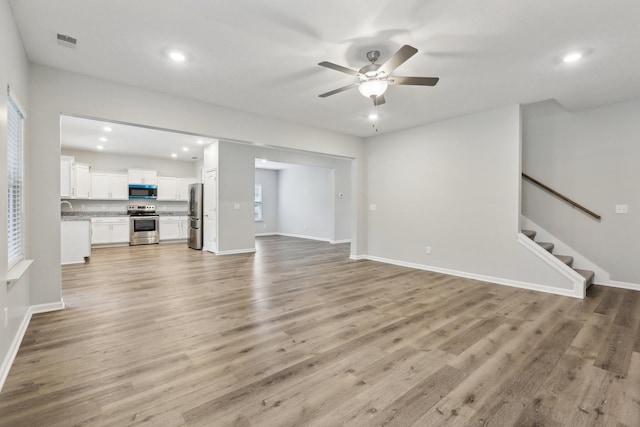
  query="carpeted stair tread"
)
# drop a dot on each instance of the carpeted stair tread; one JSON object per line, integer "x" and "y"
{"x": 529, "y": 233}
{"x": 546, "y": 246}
{"x": 566, "y": 259}
{"x": 587, "y": 274}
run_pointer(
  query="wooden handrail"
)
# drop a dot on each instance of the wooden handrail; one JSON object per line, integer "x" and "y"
{"x": 562, "y": 196}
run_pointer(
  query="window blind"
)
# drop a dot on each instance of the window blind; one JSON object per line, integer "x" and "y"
{"x": 15, "y": 122}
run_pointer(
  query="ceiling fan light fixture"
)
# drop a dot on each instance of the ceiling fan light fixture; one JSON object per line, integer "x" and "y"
{"x": 373, "y": 88}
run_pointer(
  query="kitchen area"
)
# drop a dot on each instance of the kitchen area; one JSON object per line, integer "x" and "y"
{"x": 107, "y": 201}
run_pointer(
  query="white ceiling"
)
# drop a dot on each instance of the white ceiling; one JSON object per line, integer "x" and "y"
{"x": 84, "y": 134}
{"x": 261, "y": 56}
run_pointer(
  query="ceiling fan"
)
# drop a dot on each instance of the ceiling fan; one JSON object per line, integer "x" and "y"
{"x": 373, "y": 79}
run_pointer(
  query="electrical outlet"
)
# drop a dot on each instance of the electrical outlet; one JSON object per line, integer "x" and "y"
{"x": 428, "y": 250}
{"x": 373, "y": 207}
{"x": 622, "y": 209}
{"x": 6, "y": 317}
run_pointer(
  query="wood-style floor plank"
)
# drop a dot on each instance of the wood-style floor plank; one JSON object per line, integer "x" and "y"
{"x": 298, "y": 334}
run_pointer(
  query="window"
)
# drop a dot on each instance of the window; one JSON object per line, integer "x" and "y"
{"x": 15, "y": 124}
{"x": 257, "y": 204}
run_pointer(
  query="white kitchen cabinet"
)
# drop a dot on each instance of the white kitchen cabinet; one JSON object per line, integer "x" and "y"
{"x": 174, "y": 227}
{"x": 75, "y": 242}
{"x": 120, "y": 231}
{"x": 172, "y": 188}
{"x": 109, "y": 230}
{"x": 184, "y": 227}
{"x": 169, "y": 228}
{"x": 66, "y": 172}
{"x": 82, "y": 181}
{"x": 183, "y": 188}
{"x": 109, "y": 186}
{"x": 167, "y": 188}
{"x": 119, "y": 187}
{"x": 141, "y": 176}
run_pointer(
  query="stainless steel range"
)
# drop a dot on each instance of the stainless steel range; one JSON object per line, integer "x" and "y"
{"x": 144, "y": 225}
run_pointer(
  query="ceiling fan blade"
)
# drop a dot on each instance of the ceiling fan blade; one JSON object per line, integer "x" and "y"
{"x": 417, "y": 81}
{"x": 342, "y": 89}
{"x": 378, "y": 100}
{"x": 339, "y": 68}
{"x": 398, "y": 58}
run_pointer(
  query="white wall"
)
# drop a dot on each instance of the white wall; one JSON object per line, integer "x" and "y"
{"x": 13, "y": 72}
{"x": 236, "y": 178}
{"x": 454, "y": 186}
{"x": 592, "y": 157}
{"x": 305, "y": 202}
{"x": 268, "y": 179}
{"x": 55, "y": 92}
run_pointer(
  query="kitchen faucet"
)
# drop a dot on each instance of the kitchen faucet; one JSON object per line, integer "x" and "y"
{"x": 67, "y": 202}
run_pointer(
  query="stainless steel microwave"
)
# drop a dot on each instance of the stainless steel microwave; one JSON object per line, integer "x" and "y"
{"x": 143, "y": 191}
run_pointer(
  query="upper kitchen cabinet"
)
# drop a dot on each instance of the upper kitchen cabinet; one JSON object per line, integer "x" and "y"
{"x": 82, "y": 182}
{"x": 167, "y": 188}
{"x": 109, "y": 186}
{"x": 75, "y": 179}
{"x": 183, "y": 188}
{"x": 172, "y": 188}
{"x": 66, "y": 170}
{"x": 141, "y": 176}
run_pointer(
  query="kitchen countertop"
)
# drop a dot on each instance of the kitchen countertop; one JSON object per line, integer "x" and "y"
{"x": 87, "y": 215}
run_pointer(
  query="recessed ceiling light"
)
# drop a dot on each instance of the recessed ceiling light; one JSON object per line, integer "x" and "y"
{"x": 100, "y": 147}
{"x": 373, "y": 116}
{"x": 107, "y": 129}
{"x": 185, "y": 148}
{"x": 572, "y": 57}
{"x": 174, "y": 155}
{"x": 200, "y": 141}
{"x": 103, "y": 139}
{"x": 177, "y": 56}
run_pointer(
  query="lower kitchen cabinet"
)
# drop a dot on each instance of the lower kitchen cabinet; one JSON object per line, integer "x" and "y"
{"x": 75, "y": 244}
{"x": 173, "y": 227}
{"x": 109, "y": 230}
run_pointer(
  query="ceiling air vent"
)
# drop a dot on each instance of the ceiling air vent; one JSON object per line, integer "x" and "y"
{"x": 67, "y": 41}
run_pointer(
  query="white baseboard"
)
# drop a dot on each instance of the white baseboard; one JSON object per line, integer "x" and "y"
{"x": 623, "y": 285}
{"x": 22, "y": 329}
{"x": 337, "y": 242}
{"x": 357, "y": 257}
{"x": 302, "y": 236}
{"x": 480, "y": 277}
{"x": 236, "y": 251}
{"x": 45, "y": 308}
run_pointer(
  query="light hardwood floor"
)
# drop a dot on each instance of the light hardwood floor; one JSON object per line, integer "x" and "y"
{"x": 299, "y": 335}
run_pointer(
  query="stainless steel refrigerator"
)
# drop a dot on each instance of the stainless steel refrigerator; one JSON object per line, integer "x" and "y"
{"x": 195, "y": 216}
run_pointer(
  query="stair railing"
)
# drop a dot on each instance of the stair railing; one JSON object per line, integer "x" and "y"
{"x": 561, "y": 196}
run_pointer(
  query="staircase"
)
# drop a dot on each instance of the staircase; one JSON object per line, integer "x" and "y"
{"x": 566, "y": 259}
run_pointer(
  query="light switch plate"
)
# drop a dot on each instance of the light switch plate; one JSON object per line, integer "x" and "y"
{"x": 373, "y": 207}
{"x": 622, "y": 209}
{"x": 236, "y": 206}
